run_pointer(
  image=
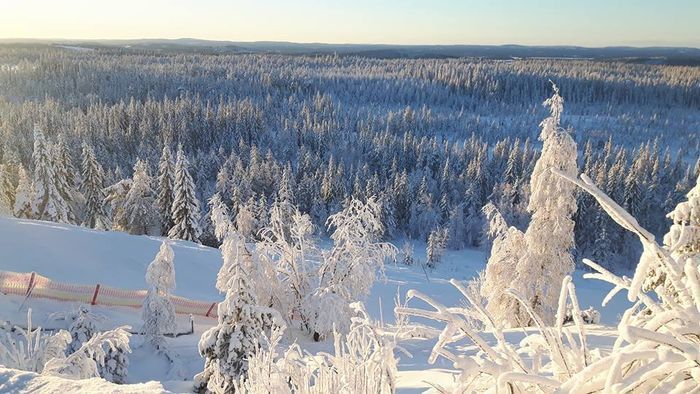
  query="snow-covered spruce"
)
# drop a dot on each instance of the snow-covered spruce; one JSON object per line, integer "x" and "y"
{"x": 49, "y": 203}
{"x": 158, "y": 311}
{"x": 241, "y": 320}
{"x": 437, "y": 241}
{"x": 24, "y": 197}
{"x": 137, "y": 213}
{"x": 115, "y": 367}
{"x": 185, "y": 209}
{"x": 507, "y": 246}
{"x": 83, "y": 325}
{"x": 93, "y": 190}
{"x": 166, "y": 190}
{"x": 66, "y": 179}
{"x": 549, "y": 237}
{"x": 6, "y": 192}
{"x": 407, "y": 253}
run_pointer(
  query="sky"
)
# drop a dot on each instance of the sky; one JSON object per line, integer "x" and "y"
{"x": 529, "y": 22}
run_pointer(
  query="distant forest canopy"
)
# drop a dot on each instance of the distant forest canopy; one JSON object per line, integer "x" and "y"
{"x": 679, "y": 56}
{"x": 433, "y": 139}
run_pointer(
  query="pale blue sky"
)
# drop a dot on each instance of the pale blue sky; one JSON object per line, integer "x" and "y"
{"x": 531, "y": 22}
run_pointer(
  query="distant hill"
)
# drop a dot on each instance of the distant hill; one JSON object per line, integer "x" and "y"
{"x": 667, "y": 55}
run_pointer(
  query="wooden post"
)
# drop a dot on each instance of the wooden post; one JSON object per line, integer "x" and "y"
{"x": 94, "y": 296}
{"x": 213, "y": 304}
{"x": 31, "y": 283}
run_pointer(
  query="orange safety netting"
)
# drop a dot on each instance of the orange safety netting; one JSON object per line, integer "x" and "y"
{"x": 31, "y": 284}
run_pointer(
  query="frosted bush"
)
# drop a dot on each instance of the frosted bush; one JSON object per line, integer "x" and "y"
{"x": 30, "y": 349}
{"x": 34, "y": 351}
{"x": 81, "y": 364}
{"x": 658, "y": 345}
{"x": 363, "y": 362}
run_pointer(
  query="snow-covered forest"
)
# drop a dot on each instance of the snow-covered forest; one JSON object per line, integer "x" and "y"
{"x": 316, "y": 176}
{"x": 140, "y": 142}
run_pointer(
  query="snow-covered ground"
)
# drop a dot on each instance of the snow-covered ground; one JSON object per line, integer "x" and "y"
{"x": 82, "y": 256}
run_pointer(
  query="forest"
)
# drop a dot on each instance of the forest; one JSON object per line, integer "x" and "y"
{"x": 120, "y": 134}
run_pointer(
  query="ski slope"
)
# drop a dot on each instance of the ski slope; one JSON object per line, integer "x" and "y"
{"x": 82, "y": 256}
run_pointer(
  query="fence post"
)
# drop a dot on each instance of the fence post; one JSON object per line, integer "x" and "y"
{"x": 213, "y": 304}
{"x": 94, "y": 296}
{"x": 31, "y": 283}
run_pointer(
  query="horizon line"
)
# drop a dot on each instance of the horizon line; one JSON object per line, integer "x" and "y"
{"x": 35, "y": 39}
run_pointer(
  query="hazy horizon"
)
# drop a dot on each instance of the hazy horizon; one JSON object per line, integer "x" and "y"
{"x": 389, "y": 44}
{"x": 442, "y": 22}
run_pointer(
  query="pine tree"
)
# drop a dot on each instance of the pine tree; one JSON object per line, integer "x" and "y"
{"x": 158, "y": 312}
{"x": 550, "y": 237}
{"x": 166, "y": 193}
{"x": 139, "y": 215}
{"x": 49, "y": 203}
{"x": 93, "y": 190}
{"x": 185, "y": 209}
{"x": 24, "y": 197}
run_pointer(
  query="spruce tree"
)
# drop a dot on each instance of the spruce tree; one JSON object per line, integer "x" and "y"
{"x": 115, "y": 367}
{"x": 158, "y": 312}
{"x": 437, "y": 239}
{"x": 185, "y": 209}
{"x": 64, "y": 178}
{"x": 550, "y": 234}
{"x": 49, "y": 203}
{"x": 166, "y": 193}
{"x": 24, "y": 197}
{"x": 227, "y": 346}
{"x": 82, "y": 328}
{"x": 138, "y": 214}
{"x": 93, "y": 190}
{"x": 6, "y": 192}
{"x": 507, "y": 244}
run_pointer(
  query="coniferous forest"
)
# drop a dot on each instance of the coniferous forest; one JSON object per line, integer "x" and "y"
{"x": 140, "y": 141}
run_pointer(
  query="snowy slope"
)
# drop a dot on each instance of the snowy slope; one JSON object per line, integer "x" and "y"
{"x": 14, "y": 381}
{"x": 82, "y": 256}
